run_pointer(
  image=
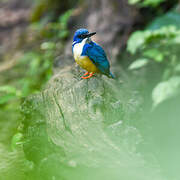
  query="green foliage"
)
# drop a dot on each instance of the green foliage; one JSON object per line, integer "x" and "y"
{"x": 136, "y": 40}
{"x": 16, "y": 141}
{"x": 166, "y": 89}
{"x": 36, "y": 65}
{"x": 44, "y": 8}
{"x": 141, "y": 40}
{"x": 171, "y": 18}
{"x": 31, "y": 71}
{"x": 152, "y": 2}
{"x": 133, "y": 1}
{"x": 8, "y": 93}
{"x": 159, "y": 43}
{"x": 63, "y": 20}
{"x": 57, "y": 30}
{"x": 39, "y": 70}
{"x": 138, "y": 63}
{"x": 44, "y": 41}
{"x": 154, "y": 54}
{"x": 145, "y": 3}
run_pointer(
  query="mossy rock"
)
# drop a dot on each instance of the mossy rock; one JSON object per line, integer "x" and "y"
{"x": 79, "y": 129}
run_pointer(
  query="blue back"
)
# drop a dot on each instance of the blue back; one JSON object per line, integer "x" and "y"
{"x": 97, "y": 56}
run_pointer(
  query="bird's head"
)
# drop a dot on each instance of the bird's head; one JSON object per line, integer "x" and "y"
{"x": 81, "y": 34}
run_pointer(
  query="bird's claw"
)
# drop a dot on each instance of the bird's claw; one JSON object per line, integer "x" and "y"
{"x": 85, "y": 74}
{"x": 87, "y": 77}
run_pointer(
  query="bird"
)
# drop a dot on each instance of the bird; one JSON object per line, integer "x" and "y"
{"x": 89, "y": 55}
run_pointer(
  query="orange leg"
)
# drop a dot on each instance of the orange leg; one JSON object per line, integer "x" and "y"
{"x": 85, "y": 74}
{"x": 87, "y": 77}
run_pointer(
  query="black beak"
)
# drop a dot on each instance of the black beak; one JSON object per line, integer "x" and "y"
{"x": 89, "y": 34}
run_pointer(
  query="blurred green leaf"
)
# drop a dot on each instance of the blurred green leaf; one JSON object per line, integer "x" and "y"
{"x": 8, "y": 93}
{"x": 154, "y": 54}
{"x": 133, "y": 1}
{"x": 145, "y": 3}
{"x": 152, "y": 2}
{"x": 63, "y": 34}
{"x": 136, "y": 40}
{"x": 16, "y": 140}
{"x": 171, "y": 18}
{"x": 63, "y": 19}
{"x": 177, "y": 68}
{"x": 175, "y": 40}
{"x": 8, "y": 89}
{"x": 141, "y": 39}
{"x": 48, "y": 45}
{"x": 34, "y": 66}
{"x": 166, "y": 90}
{"x": 6, "y": 98}
{"x": 138, "y": 64}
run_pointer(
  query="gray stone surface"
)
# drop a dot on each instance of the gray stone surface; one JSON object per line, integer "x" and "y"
{"x": 80, "y": 129}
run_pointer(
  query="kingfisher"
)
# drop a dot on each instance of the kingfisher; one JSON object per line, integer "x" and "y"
{"x": 89, "y": 55}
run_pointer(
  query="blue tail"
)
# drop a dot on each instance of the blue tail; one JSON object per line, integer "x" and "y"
{"x": 111, "y": 75}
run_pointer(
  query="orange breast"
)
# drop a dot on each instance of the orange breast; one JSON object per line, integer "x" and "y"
{"x": 85, "y": 63}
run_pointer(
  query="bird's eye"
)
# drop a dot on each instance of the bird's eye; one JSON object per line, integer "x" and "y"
{"x": 80, "y": 36}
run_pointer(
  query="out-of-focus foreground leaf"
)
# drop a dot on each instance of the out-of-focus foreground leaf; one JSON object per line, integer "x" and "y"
{"x": 138, "y": 64}
{"x": 166, "y": 90}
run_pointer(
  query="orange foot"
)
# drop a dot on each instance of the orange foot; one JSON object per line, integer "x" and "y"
{"x": 87, "y": 77}
{"x": 86, "y": 74}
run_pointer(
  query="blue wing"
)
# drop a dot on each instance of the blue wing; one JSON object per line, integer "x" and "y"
{"x": 97, "y": 56}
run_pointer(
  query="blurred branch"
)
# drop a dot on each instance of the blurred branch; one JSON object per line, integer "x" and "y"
{"x": 10, "y": 63}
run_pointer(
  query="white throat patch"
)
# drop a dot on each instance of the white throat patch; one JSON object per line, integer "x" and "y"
{"x": 78, "y": 48}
